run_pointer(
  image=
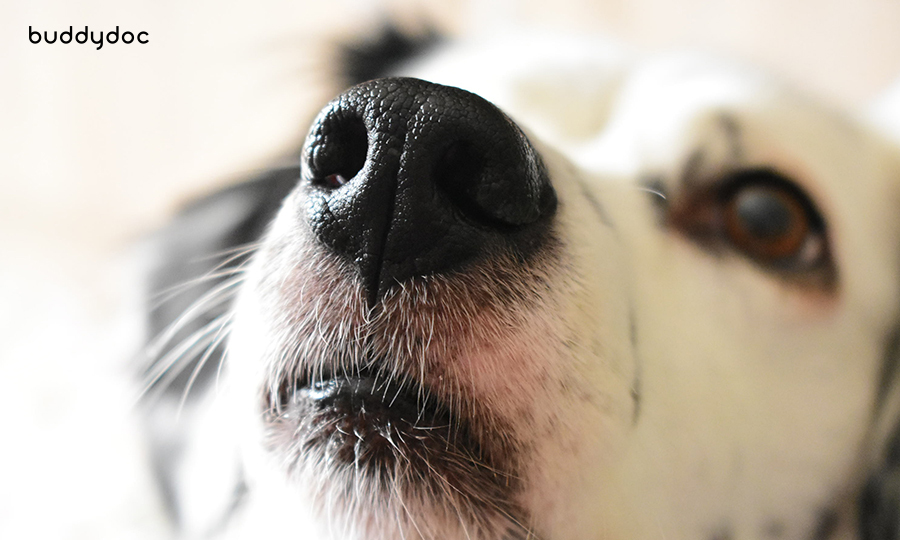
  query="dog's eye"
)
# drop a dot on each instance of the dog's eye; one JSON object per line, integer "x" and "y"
{"x": 767, "y": 222}
{"x": 761, "y": 214}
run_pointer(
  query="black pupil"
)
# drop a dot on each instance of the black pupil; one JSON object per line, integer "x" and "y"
{"x": 764, "y": 214}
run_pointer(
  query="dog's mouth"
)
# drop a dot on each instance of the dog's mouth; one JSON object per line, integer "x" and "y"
{"x": 389, "y": 429}
{"x": 374, "y": 422}
{"x": 383, "y": 441}
{"x": 390, "y": 414}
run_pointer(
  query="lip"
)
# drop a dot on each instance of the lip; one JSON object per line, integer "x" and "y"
{"x": 380, "y": 436}
{"x": 377, "y": 402}
{"x": 371, "y": 421}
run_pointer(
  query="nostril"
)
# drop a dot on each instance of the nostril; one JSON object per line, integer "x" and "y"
{"x": 459, "y": 167}
{"x": 334, "y": 181}
{"x": 338, "y": 150}
{"x": 458, "y": 174}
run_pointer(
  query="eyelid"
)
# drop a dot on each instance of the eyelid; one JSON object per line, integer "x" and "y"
{"x": 699, "y": 213}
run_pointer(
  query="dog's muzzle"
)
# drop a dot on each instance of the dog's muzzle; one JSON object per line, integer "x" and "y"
{"x": 397, "y": 285}
{"x": 406, "y": 178}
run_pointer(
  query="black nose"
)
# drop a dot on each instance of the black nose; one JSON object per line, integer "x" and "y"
{"x": 407, "y": 178}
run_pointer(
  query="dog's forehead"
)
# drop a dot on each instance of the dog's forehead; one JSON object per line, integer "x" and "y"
{"x": 558, "y": 87}
{"x": 669, "y": 107}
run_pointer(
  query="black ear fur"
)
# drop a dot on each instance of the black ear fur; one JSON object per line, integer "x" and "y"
{"x": 198, "y": 243}
{"x": 384, "y": 51}
{"x": 193, "y": 256}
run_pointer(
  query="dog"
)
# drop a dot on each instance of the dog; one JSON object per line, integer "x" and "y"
{"x": 535, "y": 288}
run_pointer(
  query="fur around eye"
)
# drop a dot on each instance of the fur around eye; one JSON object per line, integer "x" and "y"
{"x": 760, "y": 214}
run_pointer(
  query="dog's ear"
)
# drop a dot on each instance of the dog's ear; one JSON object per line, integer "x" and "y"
{"x": 201, "y": 247}
{"x": 195, "y": 264}
{"x": 383, "y": 51}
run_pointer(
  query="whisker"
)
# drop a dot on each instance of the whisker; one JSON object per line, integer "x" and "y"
{"x": 221, "y": 334}
{"x": 215, "y": 296}
{"x": 160, "y": 298}
{"x": 166, "y": 368}
{"x": 220, "y": 270}
{"x": 652, "y": 191}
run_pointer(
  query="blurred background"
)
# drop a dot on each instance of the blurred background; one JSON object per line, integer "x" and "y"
{"x": 97, "y": 147}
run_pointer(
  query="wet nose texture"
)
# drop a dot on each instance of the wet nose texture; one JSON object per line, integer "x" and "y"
{"x": 406, "y": 178}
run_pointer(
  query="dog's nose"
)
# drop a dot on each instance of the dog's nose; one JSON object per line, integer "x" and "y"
{"x": 407, "y": 178}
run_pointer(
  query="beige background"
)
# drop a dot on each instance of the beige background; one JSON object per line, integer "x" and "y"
{"x": 94, "y": 138}
{"x": 96, "y": 147}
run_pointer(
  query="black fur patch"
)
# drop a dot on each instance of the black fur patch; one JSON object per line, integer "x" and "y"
{"x": 197, "y": 244}
{"x": 879, "y": 503}
{"x": 826, "y": 524}
{"x": 194, "y": 257}
{"x": 879, "y": 507}
{"x": 888, "y": 368}
{"x": 383, "y": 52}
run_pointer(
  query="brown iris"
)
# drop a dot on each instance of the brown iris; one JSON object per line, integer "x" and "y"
{"x": 767, "y": 222}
